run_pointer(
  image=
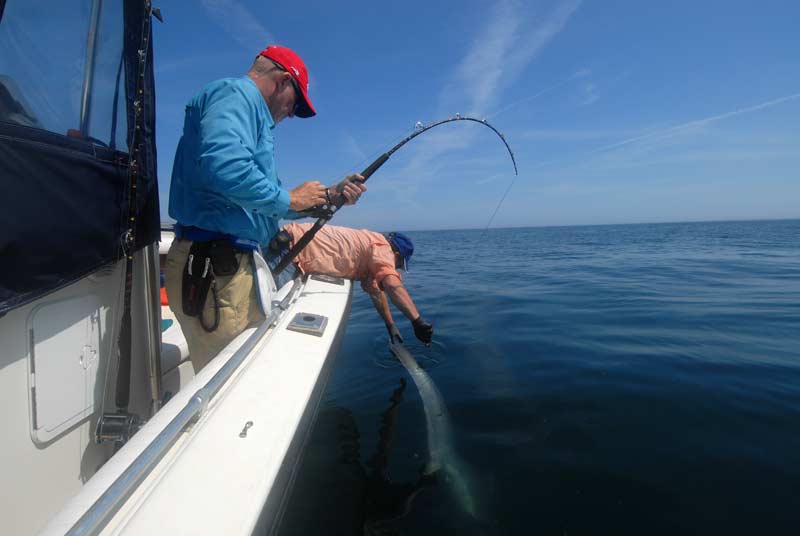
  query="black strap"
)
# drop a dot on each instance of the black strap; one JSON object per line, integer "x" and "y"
{"x": 205, "y": 262}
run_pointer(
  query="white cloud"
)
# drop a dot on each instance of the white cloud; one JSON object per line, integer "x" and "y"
{"x": 239, "y": 23}
{"x": 499, "y": 53}
{"x": 181, "y": 63}
{"x": 590, "y": 95}
{"x": 508, "y": 43}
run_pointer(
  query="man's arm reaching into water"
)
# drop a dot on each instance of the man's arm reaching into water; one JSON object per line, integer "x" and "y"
{"x": 399, "y": 296}
{"x": 382, "y": 306}
{"x": 402, "y": 300}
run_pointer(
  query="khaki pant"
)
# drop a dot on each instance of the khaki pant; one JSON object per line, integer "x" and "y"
{"x": 236, "y": 296}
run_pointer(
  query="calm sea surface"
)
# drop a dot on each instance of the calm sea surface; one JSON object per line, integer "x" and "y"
{"x": 631, "y": 379}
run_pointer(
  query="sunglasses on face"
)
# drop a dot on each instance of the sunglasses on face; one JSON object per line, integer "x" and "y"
{"x": 298, "y": 96}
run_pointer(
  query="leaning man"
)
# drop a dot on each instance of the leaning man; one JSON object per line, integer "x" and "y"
{"x": 370, "y": 257}
{"x": 227, "y": 199}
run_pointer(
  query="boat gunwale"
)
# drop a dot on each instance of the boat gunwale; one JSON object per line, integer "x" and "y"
{"x": 97, "y": 516}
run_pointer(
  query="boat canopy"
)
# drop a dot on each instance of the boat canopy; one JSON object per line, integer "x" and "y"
{"x": 73, "y": 149}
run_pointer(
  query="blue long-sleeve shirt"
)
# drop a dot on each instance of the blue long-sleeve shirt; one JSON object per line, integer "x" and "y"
{"x": 224, "y": 177}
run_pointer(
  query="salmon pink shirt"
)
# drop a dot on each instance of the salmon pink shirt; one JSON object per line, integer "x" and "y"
{"x": 344, "y": 252}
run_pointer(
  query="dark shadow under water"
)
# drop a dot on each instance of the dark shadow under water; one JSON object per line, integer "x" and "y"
{"x": 626, "y": 380}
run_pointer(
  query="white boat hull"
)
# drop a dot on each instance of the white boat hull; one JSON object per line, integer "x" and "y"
{"x": 212, "y": 480}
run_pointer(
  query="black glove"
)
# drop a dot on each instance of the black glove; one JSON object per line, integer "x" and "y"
{"x": 423, "y": 329}
{"x": 280, "y": 241}
{"x": 394, "y": 334}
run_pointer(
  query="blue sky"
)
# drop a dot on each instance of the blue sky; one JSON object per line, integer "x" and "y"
{"x": 618, "y": 112}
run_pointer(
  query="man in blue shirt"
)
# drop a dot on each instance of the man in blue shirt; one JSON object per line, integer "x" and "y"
{"x": 227, "y": 199}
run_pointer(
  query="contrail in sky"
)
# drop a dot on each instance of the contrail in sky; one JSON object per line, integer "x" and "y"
{"x": 241, "y": 24}
{"x": 698, "y": 122}
{"x": 570, "y": 78}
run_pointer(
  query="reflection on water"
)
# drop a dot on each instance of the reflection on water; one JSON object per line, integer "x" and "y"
{"x": 339, "y": 493}
{"x": 626, "y": 380}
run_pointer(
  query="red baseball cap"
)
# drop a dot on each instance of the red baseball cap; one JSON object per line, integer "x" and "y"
{"x": 291, "y": 62}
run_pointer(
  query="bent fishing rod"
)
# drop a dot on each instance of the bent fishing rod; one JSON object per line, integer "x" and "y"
{"x": 329, "y": 210}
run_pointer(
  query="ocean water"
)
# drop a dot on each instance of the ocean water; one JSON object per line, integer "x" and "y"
{"x": 631, "y": 379}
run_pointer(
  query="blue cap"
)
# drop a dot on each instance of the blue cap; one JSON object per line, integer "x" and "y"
{"x": 403, "y": 245}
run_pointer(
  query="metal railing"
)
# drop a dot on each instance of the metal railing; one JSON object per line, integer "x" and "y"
{"x": 91, "y": 58}
{"x": 101, "y": 512}
{"x": 152, "y": 311}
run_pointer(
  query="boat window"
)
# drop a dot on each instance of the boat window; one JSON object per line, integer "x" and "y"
{"x": 59, "y": 75}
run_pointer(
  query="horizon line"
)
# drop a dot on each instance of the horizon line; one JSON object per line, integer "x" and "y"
{"x": 747, "y": 220}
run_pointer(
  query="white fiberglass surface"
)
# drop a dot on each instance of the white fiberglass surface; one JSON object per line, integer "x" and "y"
{"x": 63, "y": 360}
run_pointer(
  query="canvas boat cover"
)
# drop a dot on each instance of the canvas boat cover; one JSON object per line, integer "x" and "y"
{"x": 65, "y": 132}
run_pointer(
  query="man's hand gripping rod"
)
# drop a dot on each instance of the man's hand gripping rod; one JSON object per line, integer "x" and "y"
{"x": 372, "y": 168}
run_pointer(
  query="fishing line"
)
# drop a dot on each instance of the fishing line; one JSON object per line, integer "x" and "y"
{"x": 439, "y": 302}
{"x": 329, "y": 210}
{"x": 653, "y": 135}
{"x": 419, "y": 128}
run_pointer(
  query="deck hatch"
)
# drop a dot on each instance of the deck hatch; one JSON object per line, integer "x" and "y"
{"x": 64, "y": 341}
{"x": 308, "y": 323}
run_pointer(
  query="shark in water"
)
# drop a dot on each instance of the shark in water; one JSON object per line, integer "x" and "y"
{"x": 444, "y": 460}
